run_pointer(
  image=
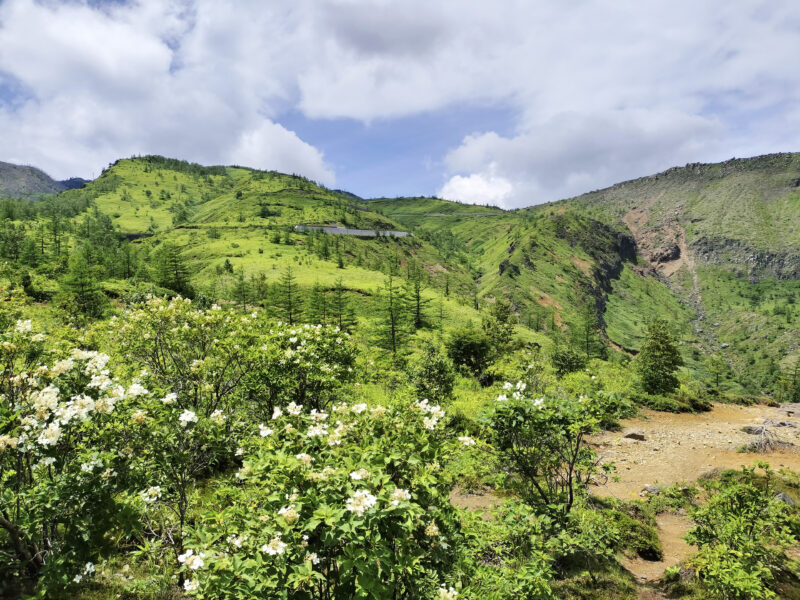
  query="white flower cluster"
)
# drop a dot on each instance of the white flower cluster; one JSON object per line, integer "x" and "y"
{"x": 466, "y": 440}
{"x": 88, "y": 571}
{"x": 361, "y": 502}
{"x": 275, "y": 546}
{"x": 6, "y": 441}
{"x": 187, "y": 416}
{"x": 398, "y": 496}
{"x": 264, "y": 431}
{"x": 289, "y": 514}
{"x": 517, "y": 394}
{"x": 446, "y": 593}
{"x": 151, "y": 494}
{"x": 191, "y": 560}
{"x": 435, "y": 413}
{"x": 95, "y": 463}
{"x": 359, "y": 475}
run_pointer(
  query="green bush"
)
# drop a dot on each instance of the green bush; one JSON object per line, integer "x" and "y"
{"x": 432, "y": 374}
{"x": 470, "y": 348}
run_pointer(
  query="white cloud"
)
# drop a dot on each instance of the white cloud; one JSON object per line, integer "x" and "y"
{"x": 574, "y": 153}
{"x": 158, "y": 77}
{"x": 602, "y": 91}
{"x": 478, "y": 188}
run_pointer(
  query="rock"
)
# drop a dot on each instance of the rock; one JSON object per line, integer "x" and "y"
{"x": 753, "y": 429}
{"x": 651, "y": 489}
{"x": 635, "y": 434}
{"x": 772, "y": 423}
{"x": 725, "y": 345}
{"x": 784, "y": 497}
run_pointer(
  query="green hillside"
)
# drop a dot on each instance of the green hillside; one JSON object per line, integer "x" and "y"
{"x": 240, "y": 383}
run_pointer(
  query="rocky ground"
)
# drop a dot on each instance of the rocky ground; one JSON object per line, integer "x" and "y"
{"x": 661, "y": 449}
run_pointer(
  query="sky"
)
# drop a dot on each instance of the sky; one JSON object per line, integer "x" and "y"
{"x": 509, "y": 102}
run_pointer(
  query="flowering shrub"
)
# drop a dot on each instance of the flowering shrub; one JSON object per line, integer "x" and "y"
{"x": 213, "y": 359}
{"x": 541, "y": 443}
{"x": 201, "y": 356}
{"x": 303, "y": 364}
{"x": 62, "y": 457}
{"x": 342, "y": 505}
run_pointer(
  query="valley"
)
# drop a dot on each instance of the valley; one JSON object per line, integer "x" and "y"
{"x": 238, "y": 382}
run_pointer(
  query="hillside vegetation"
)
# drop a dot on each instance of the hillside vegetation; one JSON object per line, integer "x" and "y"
{"x": 202, "y": 399}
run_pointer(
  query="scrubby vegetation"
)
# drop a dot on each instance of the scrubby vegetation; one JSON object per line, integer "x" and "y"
{"x": 200, "y": 400}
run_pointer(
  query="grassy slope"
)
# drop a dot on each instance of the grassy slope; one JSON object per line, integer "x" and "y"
{"x": 556, "y": 252}
{"x": 741, "y": 219}
{"x": 222, "y": 222}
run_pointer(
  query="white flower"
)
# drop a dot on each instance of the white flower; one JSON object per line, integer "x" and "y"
{"x": 316, "y": 431}
{"x": 447, "y": 593}
{"x": 538, "y": 403}
{"x": 137, "y": 389}
{"x": 275, "y": 546}
{"x": 191, "y": 560}
{"x": 361, "y": 502}
{"x": 23, "y": 326}
{"x": 312, "y": 556}
{"x": 170, "y": 398}
{"x": 62, "y": 366}
{"x": 521, "y": 386}
{"x": 508, "y": 385}
{"x": 151, "y": 494}
{"x": 358, "y": 475}
{"x": 294, "y": 409}
{"x": 276, "y": 413}
{"x": 89, "y": 569}
{"x": 304, "y": 458}
{"x": 218, "y": 417}
{"x": 466, "y": 440}
{"x": 187, "y": 416}
{"x": 47, "y": 461}
{"x": 399, "y": 495}
{"x": 502, "y": 398}
{"x": 77, "y": 578}
{"x": 358, "y": 408}
{"x": 264, "y": 431}
{"x": 236, "y": 540}
{"x": 429, "y": 422}
{"x": 190, "y": 585}
{"x": 289, "y": 514}
{"x": 318, "y": 416}
{"x": 50, "y": 436}
{"x": 6, "y": 441}
{"x": 432, "y": 530}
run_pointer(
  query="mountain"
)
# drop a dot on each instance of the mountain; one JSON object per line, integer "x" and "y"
{"x": 17, "y": 181}
{"x": 712, "y": 248}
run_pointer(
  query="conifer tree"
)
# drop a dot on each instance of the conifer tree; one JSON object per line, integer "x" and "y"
{"x": 659, "y": 359}
{"x": 241, "y": 290}
{"x": 392, "y": 331}
{"x": 415, "y": 303}
{"x": 587, "y": 334}
{"x": 318, "y": 305}
{"x": 341, "y": 311}
{"x": 288, "y": 301}
{"x": 171, "y": 271}
{"x": 81, "y": 294}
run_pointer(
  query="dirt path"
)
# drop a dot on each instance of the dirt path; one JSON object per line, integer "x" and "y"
{"x": 671, "y": 529}
{"x": 681, "y": 448}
